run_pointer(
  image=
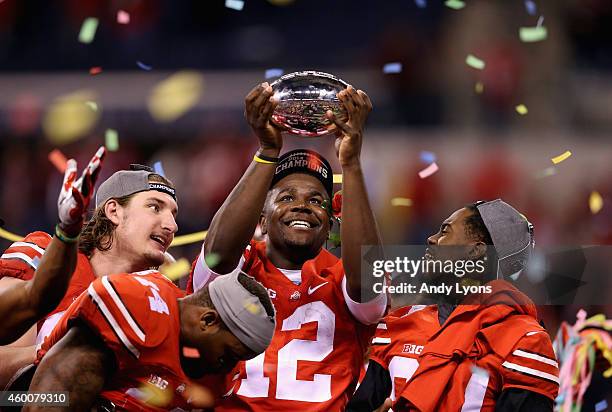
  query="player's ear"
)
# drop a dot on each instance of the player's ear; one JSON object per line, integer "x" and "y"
{"x": 209, "y": 318}
{"x": 477, "y": 251}
{"x": 112, "y": 212}
{"x": 263, "y": 226}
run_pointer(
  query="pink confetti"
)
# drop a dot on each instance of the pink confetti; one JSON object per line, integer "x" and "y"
{"x": 190, "y": 352}
{"x": 123, "y": 17}
{"x": 58, "y": 159}
{"x": 429, "y": 170}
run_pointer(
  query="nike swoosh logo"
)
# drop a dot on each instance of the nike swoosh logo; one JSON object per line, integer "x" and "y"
{"x": 311, "y": 290}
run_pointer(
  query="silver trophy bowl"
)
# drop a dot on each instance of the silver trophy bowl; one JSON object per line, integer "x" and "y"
{"x": 304, "y": 98}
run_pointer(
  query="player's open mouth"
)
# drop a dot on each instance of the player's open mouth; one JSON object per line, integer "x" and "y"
{"x": 162, "y": 241}
{"x": 299, "y": 224}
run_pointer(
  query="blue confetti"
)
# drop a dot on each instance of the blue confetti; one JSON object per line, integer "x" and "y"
{"x": 270, "y": 73}
{"x": 421, "y": 3}
{"x": 395, "y": 67}
{"x": 531, "y": 8}
{"x": 560, "y": 399}
{"x": 144, "y": 66}
{"x": 427, "y": 157}
{"x": 159, "y": 169}
{"x": 234, "y": 4}
{"x": 601, "y": 406}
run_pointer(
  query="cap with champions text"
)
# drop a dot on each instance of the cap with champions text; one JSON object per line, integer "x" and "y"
{"x": 305, "y": 161}
{"x": 127, "y": 182}
{"x": 512, "y": 236}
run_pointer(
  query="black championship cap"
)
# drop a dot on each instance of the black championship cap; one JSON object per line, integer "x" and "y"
{"x": 305, "y": 161}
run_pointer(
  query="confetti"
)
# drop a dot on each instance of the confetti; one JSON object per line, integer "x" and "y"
{"x": 531, "y": 8}
{"x": 595, "y": 202}
{"x": 454, "y": 4}
{"x": 421, "y": 3}
{"x": 252, "y": 307}
{"x": 174, "y": 96}
{"x": 429, "y": 170}
{"x": 427, "y": 157}
{"x": 153, "y": 395}
{"x": 271, "y": 73}
{"x": 549, "y": 171}
{"x": 601, "y": 406}
{"x": 176, "y": 270}
{"x": 159, "y": 169}
{"x": 88, "y": 30}
{"x": 479, "y": 87}
{"x": 401, "y": 201}
{"x": 144, "y": 66}
{"x": 190, "y": 238}
{"x": 111, "y": 139}
{"x": 533, "y": 34}
{"x": 521, "y": 109}
{"x": 123, "y": 17}
{"x": 391, "y": 68}
{"x": 212, "y": 260}
{"x": 57, "y": 158}
{"x": 190, "y": 352}
{"x": 95, "y": 70}
{"x": 474, "y": 62}
{"x": 540, "y": 21}
{"x": 92, "y": 105}
{"x": 234, "y": 4}
{"x": 337, "y": 178}
{"x": 69, "y": 117}
{"x": 561, "y": 157}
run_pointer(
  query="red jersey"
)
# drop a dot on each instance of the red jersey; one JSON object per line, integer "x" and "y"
{"x": 318, "y": 347}
{"x": 399, "y": 340}
{"x": 478, "y": 352}
{"x": 22, "y": 258}
{"x": 137, "y": 317}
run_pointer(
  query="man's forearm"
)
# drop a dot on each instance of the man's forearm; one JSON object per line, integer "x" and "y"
{"x": 52, "y": 277}
{"x": 13, "y": 358}
{"x": 358, "y": 229}
{"x": 234, "y": 224}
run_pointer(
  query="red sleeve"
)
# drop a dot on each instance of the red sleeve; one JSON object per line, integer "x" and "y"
{"x": 532, "y": 366}
{"x": 21, "y": 258}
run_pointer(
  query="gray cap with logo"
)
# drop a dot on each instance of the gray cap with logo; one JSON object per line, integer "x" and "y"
{"x": 127, "y": 182}
{"x": 512, "y": 236}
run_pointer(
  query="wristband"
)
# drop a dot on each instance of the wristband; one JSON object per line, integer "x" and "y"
{"x": 259, "y": 158}
{"x": 61, "y": 235}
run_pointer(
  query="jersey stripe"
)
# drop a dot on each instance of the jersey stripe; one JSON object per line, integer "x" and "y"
{"x": 535, "y": 356}
{"x": 111, "y": 321}
{"x": 530, "y": 371}
{"x": 378, "y": 340}
{"x": 381, "y": 326}
{"x": 30, "y": 245}
{"x": 21, "y": 256}
{"x": 126, "y": 314}
{"x": 475, "y": 392}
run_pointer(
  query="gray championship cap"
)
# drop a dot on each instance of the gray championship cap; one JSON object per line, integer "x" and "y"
{"x": 242, "y": 312}
{"x": 512, "y": 236}
{"x": 127, "y": 182}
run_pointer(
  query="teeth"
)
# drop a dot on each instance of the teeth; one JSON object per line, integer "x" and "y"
{"x": 158, "y": 239}
{"x": 299, "y": 223}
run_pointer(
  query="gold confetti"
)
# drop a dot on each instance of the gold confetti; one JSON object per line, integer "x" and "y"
{"x": 155, "y": 396}
{"x": 533, "y": 34}
{"x": 176, "y": 270}
{"x": 190, "y": 238}
{"x": 401, "y": 201}
{"x": 479, "y": 87}
{"x": 337, "y": 178}
{"x": 70, "y": 117}
{"x": 595, "y": 202}
{"x": 252, "y": 307}
{"x": 474, "y": 62}
{"x": 561, "y": 157}
{"x": 173, "y": 97}
{"x": 454, "y": 4}
{"x": 521, "y": 109}
{"x": 93, "y": 105}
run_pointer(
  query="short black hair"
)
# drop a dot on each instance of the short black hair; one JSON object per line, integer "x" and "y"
{"x": 475, "y": 227}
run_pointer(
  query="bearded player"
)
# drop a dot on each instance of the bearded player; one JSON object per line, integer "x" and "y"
{"x": 124, "y": 340}
{"x": 324, "y": 321}
{"x": 482, "y": 353}
{"x": 131, "y": 228}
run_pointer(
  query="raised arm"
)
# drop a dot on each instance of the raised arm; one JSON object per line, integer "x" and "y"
{"x": 358, "y": 224}
{"x": 234, "y": 223}
{"x": 79, "y": 364}
{"x": 24, "y": 303}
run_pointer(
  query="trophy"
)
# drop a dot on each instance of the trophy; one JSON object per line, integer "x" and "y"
{"x": 304, "y": 98}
